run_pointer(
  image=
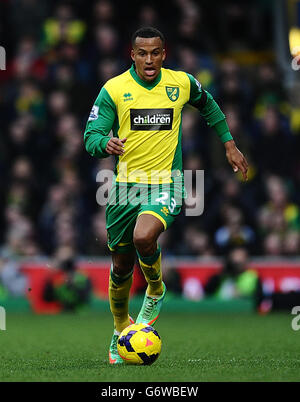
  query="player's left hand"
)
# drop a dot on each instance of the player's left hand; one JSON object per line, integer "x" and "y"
{"x": 236, "y": 159}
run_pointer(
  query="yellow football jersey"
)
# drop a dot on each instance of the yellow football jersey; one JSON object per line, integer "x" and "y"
{"x": 149, "y": 116}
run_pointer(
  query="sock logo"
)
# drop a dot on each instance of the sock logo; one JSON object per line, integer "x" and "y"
{"x": 151, "y": 119}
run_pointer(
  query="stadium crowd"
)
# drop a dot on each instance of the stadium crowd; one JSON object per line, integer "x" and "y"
{"x": 59, "y": 54}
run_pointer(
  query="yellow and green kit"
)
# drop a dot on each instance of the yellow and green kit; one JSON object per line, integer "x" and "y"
{"x": 149, "y": 115}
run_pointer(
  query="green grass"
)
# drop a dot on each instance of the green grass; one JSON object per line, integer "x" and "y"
{"x": 196, "y": 347}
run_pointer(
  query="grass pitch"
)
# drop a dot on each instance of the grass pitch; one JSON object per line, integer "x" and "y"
{"x": 195, "y": 347}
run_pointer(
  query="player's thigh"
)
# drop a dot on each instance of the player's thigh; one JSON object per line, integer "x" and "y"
{"x": 147, "y": 229}
{"x": 120, "y": 222}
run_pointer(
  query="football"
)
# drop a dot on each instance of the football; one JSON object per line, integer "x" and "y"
{"x": 139, "y": 344}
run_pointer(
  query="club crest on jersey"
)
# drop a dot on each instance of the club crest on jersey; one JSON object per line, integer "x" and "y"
{"x": 173, "y": 93}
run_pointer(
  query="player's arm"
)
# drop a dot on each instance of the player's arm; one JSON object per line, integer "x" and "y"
{"x": 215, "y": 118}
{"x": 102, "y": 119}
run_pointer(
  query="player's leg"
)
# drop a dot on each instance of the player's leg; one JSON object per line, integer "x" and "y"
{"x": 120, "y": 280}
{"x": 156, "y": 215}
{"x": 145, "y": 235}
{"x": 147, "y": 230}
{"x": 120, "y": 221}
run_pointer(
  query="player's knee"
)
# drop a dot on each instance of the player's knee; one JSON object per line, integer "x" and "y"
{"x": 123, "y": 264}
{"x": 121, "y": 270}
{"x": 144, "y": 240}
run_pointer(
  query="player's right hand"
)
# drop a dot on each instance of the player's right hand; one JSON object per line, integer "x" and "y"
{"x": 236, "y": 159}
{"x": 115, "y": 146}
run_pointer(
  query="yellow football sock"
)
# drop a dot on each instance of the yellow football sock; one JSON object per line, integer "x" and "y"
{"x": 151, "y": 267}
{"x": 119, "y": 287}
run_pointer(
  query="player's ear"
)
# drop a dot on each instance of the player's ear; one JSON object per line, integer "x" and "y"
{"x": 132, "y": 55}
{"x": 163, "y": 55}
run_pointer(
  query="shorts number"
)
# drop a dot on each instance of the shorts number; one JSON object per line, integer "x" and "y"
{"x": 163, "y": 198}
{"x": 172, "y": 205}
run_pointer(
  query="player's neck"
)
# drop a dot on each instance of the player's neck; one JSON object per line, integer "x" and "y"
{"x": 147, "y": 84}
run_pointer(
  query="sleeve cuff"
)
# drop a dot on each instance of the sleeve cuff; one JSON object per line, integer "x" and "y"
{"x": 103, "y": 144}
{"x": 222, "y": 130}
{"x": 226, "y": 137}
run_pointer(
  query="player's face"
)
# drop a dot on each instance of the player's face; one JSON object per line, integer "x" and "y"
{"x": 148, "y": 55}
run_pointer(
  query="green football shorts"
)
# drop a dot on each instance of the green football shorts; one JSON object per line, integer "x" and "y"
{"x": 127, "y": 201}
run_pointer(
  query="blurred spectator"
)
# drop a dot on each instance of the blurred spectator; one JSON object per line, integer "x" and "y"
{"x": 20, "y": 139}
{"x": 278, "y": 214}
{"x": 12, "y": 281}
{"x": 67, "y": 286}
{"x": 236, "y": 280}
{"x": 193, "y": 30}
{"x": 107, "y": 41}
{"x": 232, "y": 87}
{"x": 268, "y": 90}
{"x": 172, "y": 280}
{"x": 272, "y": 245}
{"x": 295, "y": 109}
{"x": 28, "y": 62}
{"x": 56, "y": 202}
{"x": 291, "y": 244}
{"x": 193, "y": 289}
{"x": 30, "y": 101}
{"x": 196, "y": 242}
{"x": 97, "y": 243}
{"x": 148, "y": 16}
{"x": 191, "y": 141}
{"x": 20, "y": 236}
{"x": 65, "y": 77}
{"x": 107, "y": 68}
{"x": 273, "y": 148}
{"x": 234, "y": 232}
{"x": 188, "y": 60}
{"x": 58, "y": 103}
{"x": 19, "y": 243}
{"x": 63, "y": 27}
{"x": 104, "y": 11}
{"x": 232, "y": 194}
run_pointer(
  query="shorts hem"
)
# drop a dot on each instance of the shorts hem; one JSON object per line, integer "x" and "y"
{"x": 157, "y": 216}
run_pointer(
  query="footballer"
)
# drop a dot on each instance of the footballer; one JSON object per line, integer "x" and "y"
{"x": 143, "y": 108}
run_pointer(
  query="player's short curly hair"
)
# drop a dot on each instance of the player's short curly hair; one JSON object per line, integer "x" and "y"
{"x": 147, "y": 32}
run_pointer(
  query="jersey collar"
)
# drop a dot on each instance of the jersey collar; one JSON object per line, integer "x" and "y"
{"x": 145, "y": 84}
